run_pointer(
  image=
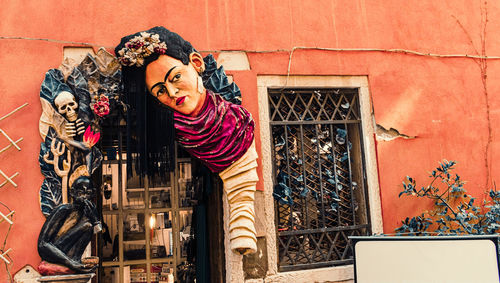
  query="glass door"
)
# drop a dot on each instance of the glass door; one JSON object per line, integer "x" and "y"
{"x": 147, "y": 221}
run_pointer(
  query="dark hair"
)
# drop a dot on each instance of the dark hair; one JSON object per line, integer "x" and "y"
{"x": 177, "y": 47}
{"x": 150, "y": 127}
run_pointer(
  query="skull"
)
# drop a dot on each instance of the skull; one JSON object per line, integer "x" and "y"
{"x": 66, "y": 105}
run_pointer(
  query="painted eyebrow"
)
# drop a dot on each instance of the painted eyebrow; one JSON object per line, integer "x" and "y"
{"x": 164, "y": 79}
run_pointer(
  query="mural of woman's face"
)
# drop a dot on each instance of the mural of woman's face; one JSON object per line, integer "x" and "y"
{"x": 176, "y": 85}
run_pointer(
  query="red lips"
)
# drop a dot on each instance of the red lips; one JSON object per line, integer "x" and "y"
{"x": 180, "y": 100}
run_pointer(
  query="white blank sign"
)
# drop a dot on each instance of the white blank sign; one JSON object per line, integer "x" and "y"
{"x": 426, "y": 261}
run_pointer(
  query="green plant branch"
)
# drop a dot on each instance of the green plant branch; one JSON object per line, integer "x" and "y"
{"x": 454, "y": 214}
{"x": 432, "y": 182}
{"x": 454, "y": 210}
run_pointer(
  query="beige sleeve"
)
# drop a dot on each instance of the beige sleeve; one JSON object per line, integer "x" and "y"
{"x": 240, "y": 181}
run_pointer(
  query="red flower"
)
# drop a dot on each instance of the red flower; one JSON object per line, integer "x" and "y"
{"x": 159, "y": 50}
{"x": 90, "y": 137}
{"x": 101, "y": 107}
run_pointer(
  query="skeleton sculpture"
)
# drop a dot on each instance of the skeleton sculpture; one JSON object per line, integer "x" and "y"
{"x": 67, "y": 106}
{"x": 69, "y": 129}
{"x": 61, "y": 111}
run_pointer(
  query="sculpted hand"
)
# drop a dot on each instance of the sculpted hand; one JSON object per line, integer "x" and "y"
{"x": 88, "y": 209}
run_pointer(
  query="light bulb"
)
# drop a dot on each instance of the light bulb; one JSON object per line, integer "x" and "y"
{"x": 152, "y": 221}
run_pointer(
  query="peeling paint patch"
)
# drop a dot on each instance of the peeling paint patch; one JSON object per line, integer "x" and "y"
{"x": 233, "y": 61}
{"x": 388, "y": 135}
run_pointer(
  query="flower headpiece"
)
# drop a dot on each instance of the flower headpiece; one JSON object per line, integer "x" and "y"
{"x": 140, "y": 47}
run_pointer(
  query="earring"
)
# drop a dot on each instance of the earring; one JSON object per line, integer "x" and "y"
{"x": 200, "y": 84}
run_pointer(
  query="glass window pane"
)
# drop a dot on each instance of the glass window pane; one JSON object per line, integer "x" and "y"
{"x": 185, "y": 221}
{"x": 134, "y": 198}
{"x": 134, "y": 236}
{"x": 135, "y": 273}
{"x": 161, "y": 271}
{"x": 186, "y": 189}
{"x": 159, "y": 197}
{"x": 110, "y": 238}
{"x": 110, "y": 186}
{"x": 162, "y": 244}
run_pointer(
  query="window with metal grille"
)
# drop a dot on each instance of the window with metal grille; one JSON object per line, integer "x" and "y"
{"x": 319, "y": 179}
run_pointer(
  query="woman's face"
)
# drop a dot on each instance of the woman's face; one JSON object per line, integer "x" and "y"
{"x": 175, "y": 84}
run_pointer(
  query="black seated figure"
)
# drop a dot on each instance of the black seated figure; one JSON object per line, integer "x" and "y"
{"x": 69, "y": 228}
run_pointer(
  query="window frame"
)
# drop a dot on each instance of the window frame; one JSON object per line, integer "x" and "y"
{"x": 313, "y": 113}
{"x": 267, "y": 206}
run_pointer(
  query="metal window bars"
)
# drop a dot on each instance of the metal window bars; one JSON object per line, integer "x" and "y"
{"x": 319, "y": 180}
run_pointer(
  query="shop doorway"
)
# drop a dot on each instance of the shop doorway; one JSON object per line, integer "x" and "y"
{"x": 156, "y": 227}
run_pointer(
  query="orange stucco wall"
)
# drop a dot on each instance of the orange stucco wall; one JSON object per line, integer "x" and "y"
{"x": 439, "y": 100}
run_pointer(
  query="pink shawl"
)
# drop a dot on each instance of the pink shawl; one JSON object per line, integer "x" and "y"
{"x": 219, "y": 135}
